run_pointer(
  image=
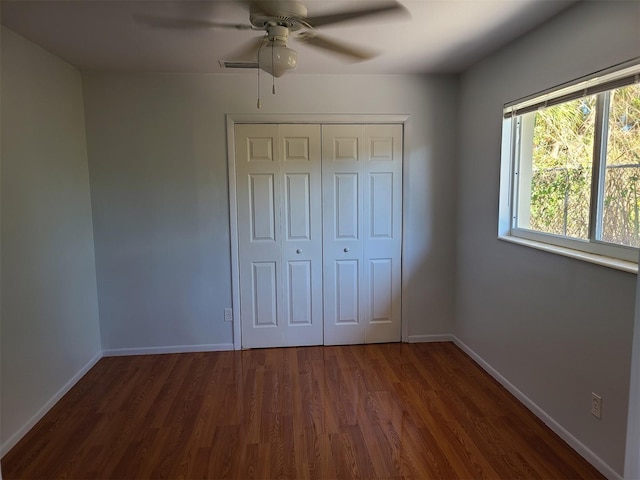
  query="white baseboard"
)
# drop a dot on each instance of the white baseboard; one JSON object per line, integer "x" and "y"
{"x": 16, "y": 437}
{"x": 578, "y": 446}
{"x": 444, "y": 337}
{"x": 213, "y": 347}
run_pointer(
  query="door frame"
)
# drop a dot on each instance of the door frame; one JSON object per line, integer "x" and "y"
{"x": 232, "y": 119}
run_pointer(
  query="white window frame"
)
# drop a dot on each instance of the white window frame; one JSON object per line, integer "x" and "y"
{"x": 592, "y": 250}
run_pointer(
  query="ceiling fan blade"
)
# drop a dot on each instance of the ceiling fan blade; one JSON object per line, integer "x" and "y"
{"x": 250, "y": 50}
{"x": 388, "y": 8}
{"x": 185, "y": 23}
{"x": 354, "y": 53}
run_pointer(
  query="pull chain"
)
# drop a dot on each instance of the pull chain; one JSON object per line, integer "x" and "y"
{"x": 259, "y": 105}
{"x": 273, "y": 79}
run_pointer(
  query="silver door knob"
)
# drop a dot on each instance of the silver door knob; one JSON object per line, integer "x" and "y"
{"x": 346, "y": 249}
{"x": 299, "y": 250}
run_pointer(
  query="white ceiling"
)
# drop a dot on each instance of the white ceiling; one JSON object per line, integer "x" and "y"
{"x": 437, "y": 36}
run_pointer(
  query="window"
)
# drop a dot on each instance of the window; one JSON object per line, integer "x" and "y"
{"x": 573, "y": 156}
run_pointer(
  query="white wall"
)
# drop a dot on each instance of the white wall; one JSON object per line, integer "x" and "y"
{"x": 632, "y": 457}
{"x": 158, "y": 166}
{"x": 0, "y": 258}
{"x": 50, "y": 330}
{"x": 556, "y": 328}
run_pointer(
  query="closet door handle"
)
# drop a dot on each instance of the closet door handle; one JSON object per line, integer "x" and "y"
{"x": 346, "y": 249}
{"x": 298, "y": 251}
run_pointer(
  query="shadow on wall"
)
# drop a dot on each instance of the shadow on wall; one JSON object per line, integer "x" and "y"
{"x": 429, "y": 244}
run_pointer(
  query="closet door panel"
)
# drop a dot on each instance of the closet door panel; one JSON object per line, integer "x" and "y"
{"x": 342, "y": 222}
{"x": 258, "y": 187}
{"x": 382, "y": 237}
{"x": 301, "y": 234}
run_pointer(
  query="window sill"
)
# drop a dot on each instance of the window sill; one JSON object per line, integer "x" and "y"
{"x": 629, "y": 267}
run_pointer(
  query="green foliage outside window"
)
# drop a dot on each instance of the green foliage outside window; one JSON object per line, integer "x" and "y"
{"x": 563, "y": 140}
{"x": 621, "y": 222}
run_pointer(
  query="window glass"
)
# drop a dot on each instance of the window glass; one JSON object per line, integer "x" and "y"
{"x": 620, "y": 222}
{"x": 555, "y": 190}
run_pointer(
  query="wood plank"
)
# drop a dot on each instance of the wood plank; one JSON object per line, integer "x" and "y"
{"x": 376, "y": 411}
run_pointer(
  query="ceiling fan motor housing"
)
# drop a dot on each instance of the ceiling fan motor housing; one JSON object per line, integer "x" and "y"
{"x": 289, "y": 14}
{"x": 278, "y": 33}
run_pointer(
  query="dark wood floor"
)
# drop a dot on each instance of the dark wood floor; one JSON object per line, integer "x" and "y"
{"x": 377, "y": 411}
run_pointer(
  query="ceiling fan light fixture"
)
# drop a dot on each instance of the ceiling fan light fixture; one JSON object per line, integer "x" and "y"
{"x": 277, "y": 59}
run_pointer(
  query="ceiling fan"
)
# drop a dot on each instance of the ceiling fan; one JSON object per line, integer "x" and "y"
{"x": 281, "y": 20}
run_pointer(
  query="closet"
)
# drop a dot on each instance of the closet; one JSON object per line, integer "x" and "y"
{"x": 319, "y": 221}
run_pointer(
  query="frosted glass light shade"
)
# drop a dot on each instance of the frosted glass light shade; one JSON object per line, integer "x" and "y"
{"x": 277, "y": 59}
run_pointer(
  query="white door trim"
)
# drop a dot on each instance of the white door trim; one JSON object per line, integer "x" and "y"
{"x": 232, "y": 120}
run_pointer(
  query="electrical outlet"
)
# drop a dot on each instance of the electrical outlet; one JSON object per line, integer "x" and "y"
{"x": 596, "y": 405}
{"x": 228, "y": 315}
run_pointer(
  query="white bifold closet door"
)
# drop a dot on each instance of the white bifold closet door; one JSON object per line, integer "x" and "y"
{"x": 278, "y": 173}
{"x": 319, "y": 233}
{"x": 362, "y": 233}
